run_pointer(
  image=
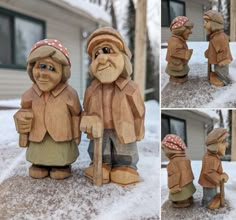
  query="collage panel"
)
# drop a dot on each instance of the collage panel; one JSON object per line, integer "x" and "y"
{"x": 198, "y": 54}
{"x": 197, "y": 164}
{"x": 79, "y": 109}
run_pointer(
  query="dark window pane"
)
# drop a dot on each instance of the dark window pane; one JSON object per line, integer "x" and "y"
{"x": 164, "y": 127}
{"x": 164, "y": 13}
{"x": 178, "y": 127}
{"x": 27, "y": 33}
{"x": 176, "y": 9}
{"x": 5, "y": 40}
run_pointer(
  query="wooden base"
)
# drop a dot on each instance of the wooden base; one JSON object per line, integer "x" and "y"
{"x": 38, "y": 172}
{"x": 124, "y": 176}
{"x": 178, "y": 80}
{"x": 88, "y": 172}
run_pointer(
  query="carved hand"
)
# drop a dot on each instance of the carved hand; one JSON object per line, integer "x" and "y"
{"x": 224, "y": 62}
{"x": 23, "y": 121}
{"x": 92, "y": 125}
{"x": 224, "y": 177}
{"x": 175, "y": 189}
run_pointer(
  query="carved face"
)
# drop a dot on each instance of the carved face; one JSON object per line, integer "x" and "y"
{"x": 187, "y": 32}
{"x": 47, "y": 74}
{"x": 107, "y": 62}
{"x": 207, "y": 27}
{"x": 222, "y": 147}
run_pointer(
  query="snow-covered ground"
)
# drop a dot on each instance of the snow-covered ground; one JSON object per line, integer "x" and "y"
{"x": 196, "y": 211}
{"x": 23, "y": 197}
{"x": 219, "y": 97}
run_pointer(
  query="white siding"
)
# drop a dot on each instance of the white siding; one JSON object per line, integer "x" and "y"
{"x": 61, "y": 24}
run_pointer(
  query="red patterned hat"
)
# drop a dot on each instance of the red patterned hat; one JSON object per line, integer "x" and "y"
{"x": 52, "y": 43}
{"x": 174, "y": 142}
{"x": 178, "y": 22}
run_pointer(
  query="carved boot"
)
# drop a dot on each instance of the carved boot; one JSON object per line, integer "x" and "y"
{"x": 60, "y": 173}
{"x": 38, "y": 172}
{"x": 106, "y": 169}
{"x": 183, "y": 204}
{"x": 124, "y": 176}
{"x": 215, "y": 203}
{"x": 178, "y": 80}
{"x": 215, "y": 81}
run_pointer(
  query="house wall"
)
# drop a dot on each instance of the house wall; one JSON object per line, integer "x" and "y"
{"x": 194, "y": 11}
{"x": 61, "y": 24}
{"x": 196, "y": 132}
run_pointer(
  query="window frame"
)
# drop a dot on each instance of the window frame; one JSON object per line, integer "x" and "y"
{"x": 168, "y": 117}
{"x": 12, "y": 15}
{"x": 168, "y": 8}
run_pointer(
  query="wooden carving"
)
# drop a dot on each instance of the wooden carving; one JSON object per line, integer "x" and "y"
{"x": 212, "y": 175}
{"x": 113, "y": 109}
{"x": 48, "y": 121}
{"x": 180, "y": 175}
{"x": 178, "y": 54}
{"x": 218, "y": 52}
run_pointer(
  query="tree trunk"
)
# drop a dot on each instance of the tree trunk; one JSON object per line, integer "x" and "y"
{"x": 140, "y": 45}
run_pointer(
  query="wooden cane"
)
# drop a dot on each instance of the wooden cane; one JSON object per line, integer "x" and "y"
{"x": 209, "y": 71}
{"x": 222, "y": 194}
{"x": 97, "y": 162}
{"x": 23, "y": 138}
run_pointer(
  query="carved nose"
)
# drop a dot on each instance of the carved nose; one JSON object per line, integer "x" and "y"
{"x": 102, "y": 58}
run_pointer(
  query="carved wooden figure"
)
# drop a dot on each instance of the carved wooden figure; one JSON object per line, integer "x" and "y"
{"x": 218, "y": 52}
{"x": 178, "y": 54}
{"x": 48, "y": 121}
{"x": 212, "y": 175}
{"x": 180, "y": 175}
{"x": 113, "y": 108}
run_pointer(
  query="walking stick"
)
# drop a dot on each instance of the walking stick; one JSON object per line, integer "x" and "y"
{"x": 209, "y": 71}
{"x": 222, "y": 194}
{"x": 97, "y": 162}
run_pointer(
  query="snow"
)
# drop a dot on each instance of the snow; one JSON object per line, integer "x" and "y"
{"x": 220, "y": 97}
{"x": 23, "y": 197}
{"x": 93, "y": 10}
{"x": 226, "y": 213}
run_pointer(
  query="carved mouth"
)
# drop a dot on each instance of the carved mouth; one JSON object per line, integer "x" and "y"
{"x": 103, "y": 68}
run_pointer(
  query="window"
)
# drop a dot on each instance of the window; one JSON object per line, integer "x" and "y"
{"x": 171, "y": 9}
{"x": 18, "y": 33}
{"x": 172, "y": 125}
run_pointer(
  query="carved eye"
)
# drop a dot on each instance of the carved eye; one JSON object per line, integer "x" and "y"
{"x": 106, "y": 50}
{"x": 42, "y": 66}
{"x": 51, "y": 68}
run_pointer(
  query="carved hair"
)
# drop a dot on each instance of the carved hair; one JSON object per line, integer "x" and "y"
{"x": 215, "y": 26}
{"x": 56, "y": 55}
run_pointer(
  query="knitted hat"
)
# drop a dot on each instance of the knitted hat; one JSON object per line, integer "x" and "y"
{"x": 173, "y": 142}
{"x": 214, "y": 16}
{"x": 40, "y": 47}
{"x": 216, "y": 135}
{"x": 178, "y": 22}
{"x": 107, "y": 34}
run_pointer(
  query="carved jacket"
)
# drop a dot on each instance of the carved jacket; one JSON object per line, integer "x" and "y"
{"x": 179, "y": 171}
{"x": 59, "y": 116}
{"x": 128, "y": 108}
{"x": 211, "y": 171}
{"x": 218, "y": 49}
{"x": 177, "y": 54}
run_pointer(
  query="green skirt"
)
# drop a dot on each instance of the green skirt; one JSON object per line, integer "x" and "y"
{"x": 51, "y": 153}
{"x": 185, "y": 193}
